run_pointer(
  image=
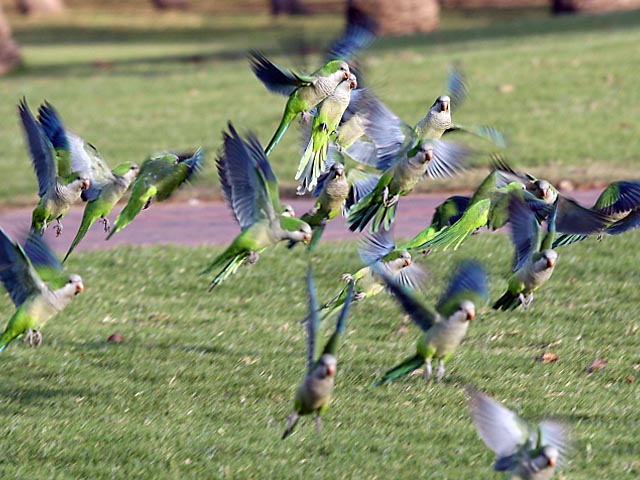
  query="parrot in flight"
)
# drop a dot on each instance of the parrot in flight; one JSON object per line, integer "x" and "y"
{"x": 37, "y": 285}
{"x": 250, "y": 189}
{"x": 445, "y": 326}
{"x": 159, "y": 176}
{"x": 534, "y": 259}
{"x": 106, "y": 186}
{"x": 58, "y": 185}
{"x": 305, "y": 92}
{"x": 523, "y": 451}
{"x": 314, "y": 393}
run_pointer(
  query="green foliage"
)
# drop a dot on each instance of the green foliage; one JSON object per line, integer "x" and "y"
{"x": 203, "y": 383}
{"x": 562, "y": 89}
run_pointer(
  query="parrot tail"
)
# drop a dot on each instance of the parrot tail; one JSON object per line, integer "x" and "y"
{"x": 420, "y": 239}
{"x": 450, "y": 236}
{"x": 5, "y": 340}
{"x": 384, "y": 218}
{"x": 405, "y": 368}
{"x": 315, "y": 237}
{"x": 232, "y": 265}
{"x": 287, "y": 119}
{"x": 362, "y": 213}
{"x": 565, "y": 239}
{"x": 85, "y": 225}
{"x": 129, "y": 212}
{"x": 312, "y": 164}
{"x": 508, "y": 301}
{"x": 291, "y": 423}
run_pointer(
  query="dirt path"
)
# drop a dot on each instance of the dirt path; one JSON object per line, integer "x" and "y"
{"x": 211, "y": 223}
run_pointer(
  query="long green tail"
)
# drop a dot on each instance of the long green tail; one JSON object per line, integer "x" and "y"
{"x": 508, "y": 301}
{"x": 287, "y": 118}
{"x": 232, "y": 261}
{"x": 406, "y": 367}
{"x": 129, "y": 212}
{"x": 420, "y": 239}
{"x": 315, "y": 237}
{"x": 85, "y": 225}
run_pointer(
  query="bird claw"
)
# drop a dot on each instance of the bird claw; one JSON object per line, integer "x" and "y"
{"x": 346, "y": 277}
{"x": 428, "y": 372}
{"x": 318, "y": 425}
{"x": 253, "y": 257}
{"x": 426, "y": 252}
{"x": 107, "y": 227}
{"x": 359, "y": 296}
{"x": 305, "y": 118}
{"x": 38, "y": 339}
{"x": 440, "y": 373}
{"x": 385, "y": 195}
{"x": 392, "y": 201}
{"x": 58, "y": 228}
{"x": 600, "y": 235}
{"x": 526, "y": 301}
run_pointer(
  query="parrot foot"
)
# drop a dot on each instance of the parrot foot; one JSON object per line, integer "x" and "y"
{"x": 324, "y": 127}
{"x": 426, "y": 252}
{"x": 37, "y": 341}
{"x": 526, "y": 301}
{"x": 385, "y": 195}
{"x": 346, "y": 277}
{"x": 291, "y": 422}
{"x": 440, "y": 373}
{"x": 318, "y": 425}
{"x": 600, "y": 235}
{"x": 28, "y": 337}
{"x": 359, "y": 296}
{"x": 106, "y": 224}
{"x": 428, "y": 371}
{"x": 306, "y": 118}
{"x": 58, "y": 228}
{"x": 253, "y": 257}
{"x": 392, "y": 201}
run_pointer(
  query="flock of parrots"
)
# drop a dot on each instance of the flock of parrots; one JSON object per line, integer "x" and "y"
{"x": 342, "y": 122}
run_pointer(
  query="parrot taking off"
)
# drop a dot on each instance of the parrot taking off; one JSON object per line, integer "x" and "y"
{"x": 314, "y": 393}
{"x": 159, "y": 177}
{"x": 304, "y": 91}
{"x": 323, "y": 129}
{"x": 106, "y": 186}
{"x": 534, "y": 259}
{"x": 445, "y": 326}
{"x": 523, "y": 451}
{"x": 37, "y": 285}
{"x": 58, "y": 185}
{"x": 250, "y": 189}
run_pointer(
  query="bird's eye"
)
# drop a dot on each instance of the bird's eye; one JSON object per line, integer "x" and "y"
{"x": 70, "y": 281}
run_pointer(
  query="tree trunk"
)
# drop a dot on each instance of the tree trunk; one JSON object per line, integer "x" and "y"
{"x": 287, "y": 7}
{"x": 398, "y": 17}
{"x": 571, "y": 6}
{"x": 31, "y": 7}
{"x": 171, "y": 4}
{"x": 9, "y": 51}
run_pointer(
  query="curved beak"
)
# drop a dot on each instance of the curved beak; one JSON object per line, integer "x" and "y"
{"x": 544, "y": 192}
{"x": 85, "y": 184}
{"x": 444, "y": 106}
{"x": 471, "y": 316}
{"x": 429, "y": 155}
{"x": 306, "y": 238}
{"x": 550, "y": 262}
{"x": 79, "y": 288}
{"x": 354, "y": 84}
{"x": 407, "y": 262}
{"x": 552, "y": 462}
{"x": 346, "y": 75}
{"x": 331, "y": 371}
{"x": 339, "y": 171}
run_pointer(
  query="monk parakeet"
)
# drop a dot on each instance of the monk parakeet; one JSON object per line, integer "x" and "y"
{"x": 445, "y": 326}
{"x": 37, "y": 285}
{"x": 445, "y": 215}
{"x": 58, "y": 186}
{"x": 534, "y": 259}
{"x": 106, "y": 186}
{"x": 159, "y": 176}
{"x": 523, "y": 451}
{"x": 323, "y": 128}
{"x": 620, "y": 202}
{"x": 432, "y": 158}
{"x": 314, "y": 393}
{"x": 331, "y": 193}
{"x": 379, "y": 254}
{"x": 250, "y": 189}
{"x": 304, "y": 91}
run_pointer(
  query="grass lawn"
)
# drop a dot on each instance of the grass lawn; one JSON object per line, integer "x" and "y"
{"x": 203, "y": 383}
{"x": 563, "y": 90}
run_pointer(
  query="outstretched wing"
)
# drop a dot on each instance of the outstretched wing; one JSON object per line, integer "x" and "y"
{"x": 54, "y": 130}
{"x": 524, "y": 231}
{"x": 456, "y": 86}
{"x": 619, "y": 197}
{"x": 449, "y": 159}
{"x": 275, "y": 79}
{"x": 341, "y": 324}
{"x": 469, "y": 282}
{"x": 44, "y": 261}
{"x": 312, "y": 321}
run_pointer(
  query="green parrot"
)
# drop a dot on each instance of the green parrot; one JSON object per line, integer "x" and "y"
{"x": 106, "y": 186}
{"x": 523, "y": 451}
{"x": 314, "y": 393}
{"x": 37, "y": 285}
{"x": 58, "y": 186}
{"x": 159, "y": 176}
{"x": 445, "y": 326}
{"x": 323, "y": 128}
{"x": 250, "y": 189}
{"x": 401, "y": 172}
{"x": 620, "y": 201}
{"x": 534, "y": 259}
{"x": 379, "y": 254}
{"x": 445, "y": 215}
{"x": 304, "y": 91}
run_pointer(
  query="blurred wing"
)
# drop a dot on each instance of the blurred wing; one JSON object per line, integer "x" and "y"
{"x": 268, "y": 200}
{"x": 274, "y": 78}
{"x": 449, "y": 159}
{"x": 573, "y": 218}
{"x": 412, "y": 277}
{"x": 483, "y": 131}
{"x": 630, "y": 222}
{"x": 499, "y": 428}
{"x": 457, "y": 86}
{"x": 44, "y": 261}
{"x": 469, "y": 282}
{"x": 332, "y": 344}
{"x": 507, "y": 173}
{"x": 86, "y": 159}
{"x": 16, "y": 272}
{"x": 619, "y": 197}
{"x": 524, "y": 231}
{"x": 373, "y": 247}
{"x": 354, "y": 39}
{"x": 42, "y": 156}
{"x": 312, "y": 320}
{"x": 54, "y": 130}
{"x": 557, "y": 434}
{"x": 361, "y": 185}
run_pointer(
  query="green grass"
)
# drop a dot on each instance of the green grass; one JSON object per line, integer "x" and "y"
{"x": 141, "y": 82}
{"x": 203, "y": 383}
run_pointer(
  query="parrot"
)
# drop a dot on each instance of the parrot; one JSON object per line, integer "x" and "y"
{"x": 325, "y": 123}
{"x": 620, "y": 201}
{"x": 445, "y": 326}
{"x": 378, "y": 252}
{"x": 37, "y": 285}
{"x": 524, "y": 451}
{"x": 314, "y": 393}
{"x": 446, "y": 214}
{"x": 304, "y": 91}
{"x": 106, "y": 186}
{"x": 534, "y": 259}
{"x": 250, "y": 189}
{"x": 159, "y": 176}
{"x": 331, "y": 192}
{"x": 58, "y": 186}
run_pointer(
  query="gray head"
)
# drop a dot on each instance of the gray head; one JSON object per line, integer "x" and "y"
{"x": 288, "y": 211}
{"x": 74, "y": 285}
{"x": 337, "y": 169}
{"x": 425, "y": 152}
{"x": 543, "y": 190}
{"x": 468, "y": 308}
{"x": 353, "y": 81}
{"x": 327, "y": 366}
{"x": 82, "y": 181}
{"x": 549, "y": 455}
{"x": 302, "y": 234}
{"x": 406, "y": 257}
{"x": 550, "y": 257}
{"x": 442, "y": 104}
